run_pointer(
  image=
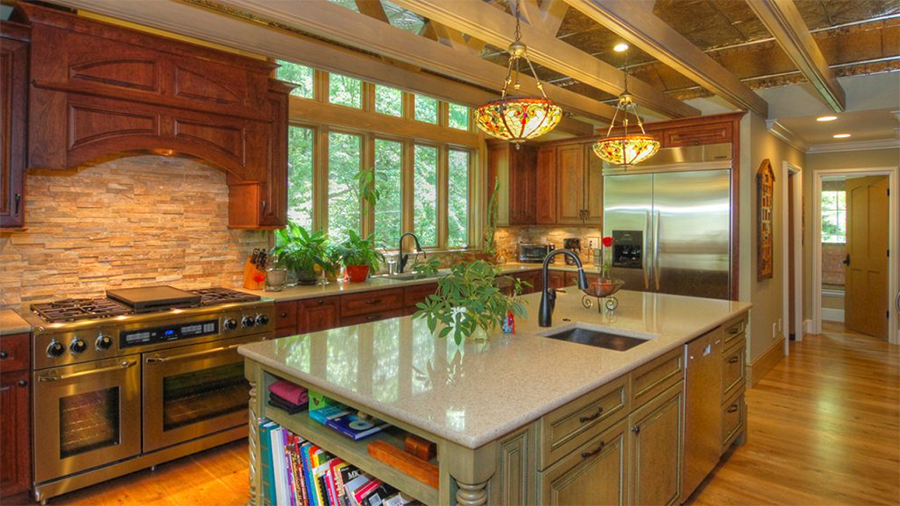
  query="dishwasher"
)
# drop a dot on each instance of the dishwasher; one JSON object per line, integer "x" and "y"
{"x": 703, "y": 404}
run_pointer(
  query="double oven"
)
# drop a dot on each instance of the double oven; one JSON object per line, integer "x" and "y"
{"x": 120, "y": 394}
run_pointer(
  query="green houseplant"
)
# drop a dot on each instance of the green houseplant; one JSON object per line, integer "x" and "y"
{"x": 359, "y": 256}
{"x": 467, "y": 301}
{"x": 301, "y": 252}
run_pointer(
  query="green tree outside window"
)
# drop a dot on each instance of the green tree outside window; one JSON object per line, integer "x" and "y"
{"x": 458, "y": 199}
{"x": 300, "y": 176}
{"x": 834, "y": 217}
{"x": 388, "y": 100}
{"x": 388, "y": 182}
{"x": 301, "y": 75}
{"x": 426, "y": 109}
{"x": 344, "y": 158}
{"x": 459, "y": 116}
{"x": 425, "y": 194}
{"x": 343, "y": 90}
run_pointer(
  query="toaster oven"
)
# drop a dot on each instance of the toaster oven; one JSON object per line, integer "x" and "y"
{"x": 534, "y": 253}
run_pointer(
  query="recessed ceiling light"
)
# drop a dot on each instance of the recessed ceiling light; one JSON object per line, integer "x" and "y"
{"x": 826, "y": 118}
{"x": 841, "y": 136}
{"x": 620, "y": 47}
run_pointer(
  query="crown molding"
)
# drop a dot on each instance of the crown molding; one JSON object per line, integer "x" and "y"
{"x": 787, "y": 135}
{"x": 854, "y": 146}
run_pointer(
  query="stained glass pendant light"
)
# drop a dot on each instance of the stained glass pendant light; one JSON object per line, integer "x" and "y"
{"x": 518, "y": 118}
{"x": 628, "y": 148}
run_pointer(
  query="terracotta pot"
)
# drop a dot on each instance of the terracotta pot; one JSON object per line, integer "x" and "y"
{"x": 358, "y": 273}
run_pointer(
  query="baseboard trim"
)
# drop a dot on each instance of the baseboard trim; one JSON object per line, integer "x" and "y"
{"x": 833, "y": 315}
{"x": 762, "y": 365}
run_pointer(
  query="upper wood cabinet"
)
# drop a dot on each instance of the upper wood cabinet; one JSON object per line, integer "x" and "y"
{"x": 100, "y": 90}
{"x": 516, "y": 170}
{"x": 574, "y": 174}
{"x": 545, "y": 212}
{"x": 13, "y": 109}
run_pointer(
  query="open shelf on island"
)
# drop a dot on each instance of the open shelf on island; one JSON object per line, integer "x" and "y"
{"x": 356, "y": 452}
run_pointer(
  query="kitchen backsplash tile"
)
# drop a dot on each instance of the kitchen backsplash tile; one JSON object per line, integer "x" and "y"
{"x": 508, "y": 238}
{"x": 132, "y": 221}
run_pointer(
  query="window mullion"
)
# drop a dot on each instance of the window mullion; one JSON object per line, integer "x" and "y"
{"x": 320, "y": 180}
{"x": 442, "y": 200}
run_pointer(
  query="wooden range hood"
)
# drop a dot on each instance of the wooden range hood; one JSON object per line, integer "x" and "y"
{"x": 98, "y": 90}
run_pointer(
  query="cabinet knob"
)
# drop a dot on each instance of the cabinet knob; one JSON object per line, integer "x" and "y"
{"x": 23, "y": 383}
{"x": 4, "y": 355}
{"x": 636, "y": 429}
{"x": 732, "y": 408}
{"x": 321, "y": 301}
{"x": 734, "y": 359}
{"x": 284, "y": 315}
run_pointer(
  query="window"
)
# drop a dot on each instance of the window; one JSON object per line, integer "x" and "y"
{"x": 344, "y": 160}
{"x": 402, "y": 18}
{"x": 301, "y": 75}
{"x": 389, "y": 183}
{"x": 459, "y": 116}
{"x": 425, "y": 194}
{"x": 388, "y": 100}
{"x": 458, "y": 199}
{"x": 426, "y": 109}
{"x": 347, "y": 4}
{"x": 300, "y": 175}
{"x": 834, "y": 217}
{"x": 343, "y": 90}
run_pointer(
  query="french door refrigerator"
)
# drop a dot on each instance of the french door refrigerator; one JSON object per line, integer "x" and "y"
{"x": 671, "y": 222}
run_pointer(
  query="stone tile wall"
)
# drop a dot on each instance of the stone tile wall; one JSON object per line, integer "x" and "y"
{"x": 133, "y": 221}
{"x": 508, "y": 238}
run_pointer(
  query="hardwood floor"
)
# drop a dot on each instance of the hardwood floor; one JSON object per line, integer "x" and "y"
{"x": 824, "y": 430}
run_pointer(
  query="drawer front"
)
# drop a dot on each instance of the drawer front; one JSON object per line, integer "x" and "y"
{"x": 655, "y": 377}
{"x": 733, "y": 419}
{"x": 569, "y": 426}
{"x": 416, "y": 294}
{"x": 286, "y": 315}
{"x": 733, "y": 369}
{"x": 734, "y": 329}
{"x": 15, "y": 353}
{"x": 696, "y": 135}
{"x": 371, "y": 302}
{"x": 372, "y": 317}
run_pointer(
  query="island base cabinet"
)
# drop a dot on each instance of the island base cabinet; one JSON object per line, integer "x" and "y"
{"x": 655, "y": 449}
{"x": 514, "y": 482}
{"x": 596, "y": 474}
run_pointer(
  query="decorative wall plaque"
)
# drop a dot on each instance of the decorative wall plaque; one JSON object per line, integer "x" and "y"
{"x": 765, "y": 195}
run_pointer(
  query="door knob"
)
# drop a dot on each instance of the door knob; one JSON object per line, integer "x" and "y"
{"x": 847, "y": 260}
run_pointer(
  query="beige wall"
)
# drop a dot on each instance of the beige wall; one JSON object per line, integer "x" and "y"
{"x": 766, "y": 295}
{"x": 136, "y": 221}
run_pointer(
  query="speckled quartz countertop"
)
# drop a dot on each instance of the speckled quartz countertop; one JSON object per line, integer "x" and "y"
{"x": 474, "y": 394}
{"x": 381, "y": 283}
{"x": 12, "y": 323}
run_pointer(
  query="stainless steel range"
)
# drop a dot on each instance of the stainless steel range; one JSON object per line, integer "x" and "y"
{"x": 140, "y": 377}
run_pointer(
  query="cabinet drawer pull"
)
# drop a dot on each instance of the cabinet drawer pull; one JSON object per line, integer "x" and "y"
{"x": 4, "y": 355}
{"x": 321, "y": 301}
{"x": 587, "y": 455}
{"x": 734, "y": 359}
{"x": 18, "y": 199}
{"x": 373, "y": 317}
{"x": 23, "y": 383}
{"x": 732, "y": 408}
{"x": 284, "y": 315}
{"x": 734, "y": 330}
{"x": 372, "y": 301}
{"x": 585, "y": 419}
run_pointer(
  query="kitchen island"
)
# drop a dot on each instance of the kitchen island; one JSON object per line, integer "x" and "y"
{"x": 516, "y": 419}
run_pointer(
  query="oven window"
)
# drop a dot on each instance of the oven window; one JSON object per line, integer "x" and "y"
{"x": 201, "y": 395}
{"x": 88, "y": 422}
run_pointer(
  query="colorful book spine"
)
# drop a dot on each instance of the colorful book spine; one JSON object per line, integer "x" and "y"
{"x": 286, "y": 434}
{"x": 265, "y": 449}
{"x": 307, "y": 475}
{"x": 278, "y": 467}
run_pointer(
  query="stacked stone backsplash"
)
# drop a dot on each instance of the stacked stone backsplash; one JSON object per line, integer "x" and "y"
{"x": 508, "y": 239}
{"x": 135, "y": 221}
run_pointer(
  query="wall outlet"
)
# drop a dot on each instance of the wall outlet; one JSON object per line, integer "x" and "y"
{"x": 774, "y": 330}
{"x": 593, "y": 242}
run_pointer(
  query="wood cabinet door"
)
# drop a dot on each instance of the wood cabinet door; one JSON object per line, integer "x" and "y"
{"x": 13, "y": 101}
{"x": 596, "y": 474}
{"x": 273, "y": 207}
{"x": 557, "y": 279}
{"x": 522, "y": 182}
{"x": 498, "y": 170}
{"x": 593, "y": 188}
{"x": 655, "y": 447}
{"x": 322, "y": 313}
{"x": 546, "y": 187}
{"x": 695, "y": 135}
{"x": 15, "y": 447}
{"x": 570, "y": 184}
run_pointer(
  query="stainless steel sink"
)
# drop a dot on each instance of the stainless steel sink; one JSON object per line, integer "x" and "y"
{"x": 597, "y": 338}
{"x": 412, "y": 276}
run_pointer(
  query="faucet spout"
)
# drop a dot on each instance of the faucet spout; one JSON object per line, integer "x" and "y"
{"x": 404, "y": 259}
{"x": 548, "y": 295}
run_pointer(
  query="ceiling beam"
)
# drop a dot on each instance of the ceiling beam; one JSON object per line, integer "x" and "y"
{"x": 495, "y": 27}
{"x": 373, "y": 9}
{"x": 324, "y": 19}
{"x": 652, "y": 35}
{"x": 186, "y": 20}
{"x": 785, "y": 23}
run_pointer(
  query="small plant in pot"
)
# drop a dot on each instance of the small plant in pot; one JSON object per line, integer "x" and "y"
{"x": 301, "y": 252}
{"x": 468, "y": 302}
{"x": 359, "y": 256}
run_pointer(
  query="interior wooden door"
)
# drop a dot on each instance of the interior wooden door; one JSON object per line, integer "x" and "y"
{"x": 866, "y": 298}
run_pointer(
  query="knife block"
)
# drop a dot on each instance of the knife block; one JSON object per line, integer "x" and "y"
{"x": 254, "y": 279}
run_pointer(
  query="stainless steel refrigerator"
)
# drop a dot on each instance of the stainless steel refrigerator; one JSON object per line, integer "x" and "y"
{"x": 671, "y": 221}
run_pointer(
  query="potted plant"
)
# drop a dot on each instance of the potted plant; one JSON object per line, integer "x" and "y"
{"x": 359, "y": 256}
{"x": 301, "y": 252}
{"x": 468, "y": 302}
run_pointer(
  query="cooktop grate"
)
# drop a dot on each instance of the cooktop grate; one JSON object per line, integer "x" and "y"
{"x": 70, "y": 310}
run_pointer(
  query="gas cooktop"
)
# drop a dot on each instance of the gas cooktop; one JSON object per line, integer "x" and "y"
{"x": 135, "y": 301}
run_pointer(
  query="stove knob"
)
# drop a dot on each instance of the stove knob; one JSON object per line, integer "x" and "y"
{"x": 104, "y": 342}
{"x": 229, "y": 324}
{"x": 78, "y": 346}
{"x": 248, "y": 321}
{"x": 262, "y": 320}
{"x": 56, "y": 349}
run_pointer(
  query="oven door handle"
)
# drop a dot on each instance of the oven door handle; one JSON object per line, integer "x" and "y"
{"x": 125, "y": 364}
{"x": 157, "y": 359}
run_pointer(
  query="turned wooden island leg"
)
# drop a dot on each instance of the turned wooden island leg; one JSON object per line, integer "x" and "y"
{"x": 470, "y": 470}
{"x": 471, "y": 495}
{"x": 250, "y": 372}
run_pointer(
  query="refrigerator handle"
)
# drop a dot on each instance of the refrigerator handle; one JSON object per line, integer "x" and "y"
{"x": 656, "y": 250}
{"x": 646, "y": 256}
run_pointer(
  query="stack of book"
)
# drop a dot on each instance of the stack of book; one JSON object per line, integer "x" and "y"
{"x": 343, "y": 419}
{"x": 296, "y": 472}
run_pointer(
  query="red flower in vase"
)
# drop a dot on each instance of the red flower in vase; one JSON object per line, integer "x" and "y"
{"x": 607, "y": 242}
